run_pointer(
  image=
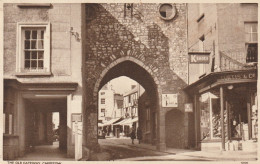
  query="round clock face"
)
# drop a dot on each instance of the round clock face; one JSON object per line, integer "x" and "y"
{"x": 167, "y": 11}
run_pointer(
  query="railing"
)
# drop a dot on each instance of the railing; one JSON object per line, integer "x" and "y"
{"x": 228, "y": 63}
{"x": 235, "y": 61}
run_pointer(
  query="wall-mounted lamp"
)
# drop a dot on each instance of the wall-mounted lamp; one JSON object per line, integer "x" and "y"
{"x": 74, "y": 33}
{"x": 230, "y": 87}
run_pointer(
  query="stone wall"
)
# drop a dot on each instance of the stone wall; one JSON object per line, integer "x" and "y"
{"x": 157, "y": 46}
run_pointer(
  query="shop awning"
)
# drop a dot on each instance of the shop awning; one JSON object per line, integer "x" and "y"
{"x": 127, "y": 121}
{"x": 131, "y": 121}
{"x": 110, "y": 122}
{"x": 100, "y": 125}
{"x": 216, "y": 79}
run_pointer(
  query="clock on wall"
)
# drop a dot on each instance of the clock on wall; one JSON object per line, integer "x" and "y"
{"x": 167, "y": 11}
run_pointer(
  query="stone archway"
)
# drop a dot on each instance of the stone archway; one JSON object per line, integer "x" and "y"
{"x": 132, "y": 68}
{"x": 109, "y": 42}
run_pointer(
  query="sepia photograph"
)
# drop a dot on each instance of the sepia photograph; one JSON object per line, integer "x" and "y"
{"x": 129, "y": 81}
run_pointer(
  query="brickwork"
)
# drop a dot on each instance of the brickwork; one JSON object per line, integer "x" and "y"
{"x": 157, "y": 46}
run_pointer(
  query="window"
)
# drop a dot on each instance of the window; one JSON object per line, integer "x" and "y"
{"x": 33, "y": 48}
{"x": 210, "y": 116}
{"x": 167, "y": 11}
{"x": 103, "y": 101}
{"x": 103, "y": 112}
{"x": 251, "y": 38}
{"x": 102, "y": 93}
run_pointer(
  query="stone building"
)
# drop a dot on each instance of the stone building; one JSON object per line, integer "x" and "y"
{"x": 224, "y": 91}
{"x": 147, "y": 43}
{"x": 59, "y": 56}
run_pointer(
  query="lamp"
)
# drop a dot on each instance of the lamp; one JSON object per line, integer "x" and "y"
{"x": 230, "y": 87}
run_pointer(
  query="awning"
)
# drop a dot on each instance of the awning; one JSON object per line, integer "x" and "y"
{"x": 100, "y": 125}
{"x": 111, "y": 121}
{"x": 127, "y": 121}
{"x": 121, "y": 122}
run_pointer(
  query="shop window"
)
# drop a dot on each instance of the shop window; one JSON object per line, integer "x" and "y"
{"x": 210, "y": 116}
{"x": 251, "y": 39}
{"x": 33, "y": 47}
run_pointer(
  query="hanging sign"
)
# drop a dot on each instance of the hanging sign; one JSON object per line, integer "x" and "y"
{"x": 76, "y": 117}
{"x": 188, "y": 107}
{"x": 199, "y": 57}
{"x": 169, "y": 100}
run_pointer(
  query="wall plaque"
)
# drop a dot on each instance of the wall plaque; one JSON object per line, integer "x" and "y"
{"x": 169, "y": 100}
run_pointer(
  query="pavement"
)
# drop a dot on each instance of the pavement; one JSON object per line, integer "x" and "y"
{"x": 46, "y": 153}
{"x": 180, "y": 154}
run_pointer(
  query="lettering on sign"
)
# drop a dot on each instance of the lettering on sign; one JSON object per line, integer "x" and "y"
{"x": 169, "y": 100}
{"x": 76, "y": 117}
{"x": 188, "y": 107}
{"x": 239, "y": 76}
{"x": 199, "y": 57}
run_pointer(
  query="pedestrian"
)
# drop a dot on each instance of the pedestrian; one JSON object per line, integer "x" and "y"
{"x": 139, "y": 134}
{"x": 132, "y": 135}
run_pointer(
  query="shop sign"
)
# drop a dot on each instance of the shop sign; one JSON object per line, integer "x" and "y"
{"x": 188, "y": 107}
{"x": 76, "y": 117}
{"x": 169, "y": 100}
{"x": 199, "y": 57}
{"x": 239, "y": 76}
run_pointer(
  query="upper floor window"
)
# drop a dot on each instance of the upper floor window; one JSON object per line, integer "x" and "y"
{"x": 102, "y": 93}
{"x": 251, "y": 38}
{"x": 251, "y": 32}
{"x": 33, "y": 48}
{"x": 103, "y": 101}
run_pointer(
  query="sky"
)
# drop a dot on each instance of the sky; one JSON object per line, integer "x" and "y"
{"x": 122, "y": 84}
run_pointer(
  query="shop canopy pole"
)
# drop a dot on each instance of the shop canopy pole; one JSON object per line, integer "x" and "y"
{"x": 222, "y": 118}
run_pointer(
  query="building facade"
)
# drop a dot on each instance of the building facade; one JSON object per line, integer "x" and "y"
{"x": 42, "y": 75}
{"x": 106, "y": 103}
{"x": 224, "y": 92}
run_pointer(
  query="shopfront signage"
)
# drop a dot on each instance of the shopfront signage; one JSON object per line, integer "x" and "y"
{"x": 169, "y": 100}
{"x": 76, "y": 117}
{"x": 199, "y": 57}
{"x": 239, "y": 76}
{"x": 188, "y": 107}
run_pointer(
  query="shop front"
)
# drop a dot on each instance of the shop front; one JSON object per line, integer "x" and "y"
{"x": 226, "y": 110}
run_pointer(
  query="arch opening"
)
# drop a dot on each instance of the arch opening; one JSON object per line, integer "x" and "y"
{"x": 142, "y": 101}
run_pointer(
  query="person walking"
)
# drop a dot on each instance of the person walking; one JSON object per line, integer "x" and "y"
{"x": 139, "y": 134}
{"x": 132, "y": 135}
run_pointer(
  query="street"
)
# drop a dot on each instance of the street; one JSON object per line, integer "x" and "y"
{"x": 122, "y": 149}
